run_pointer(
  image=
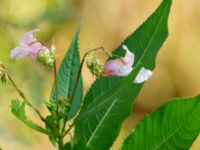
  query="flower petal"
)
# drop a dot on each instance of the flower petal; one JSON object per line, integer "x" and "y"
{"x": 19, "y": 52}
{"x": 129, "y": 57}
{"x": 53, "y": 47}
{"x": 121, "y": 66}
{"x": 111, "y": 68}
{"x": 143, "y": 75}
{"x": 35, "y": 48}
{"x": 27, "y": 38}
{"x": 125, "y": 70}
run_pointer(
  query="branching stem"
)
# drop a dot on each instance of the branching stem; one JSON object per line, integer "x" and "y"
{"x": 21, "y": 93}
{"x": 76, "y": 83}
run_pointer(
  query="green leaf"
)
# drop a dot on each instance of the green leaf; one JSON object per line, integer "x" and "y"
{"x": 173, "y": 126}
{"x": 67, "y": 75}
{"x": 19, "y": 111}
{"x": 109, "y": 101}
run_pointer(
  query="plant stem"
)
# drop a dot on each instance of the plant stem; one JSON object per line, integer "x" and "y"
{"x": 22, "y": 94}
{"x": 55, "y": 79}
{"x": 68, "y": 130}
{"x": 60, "y": 143}
{"x": 77, "y": 80}
{"x": 57, "y": 100}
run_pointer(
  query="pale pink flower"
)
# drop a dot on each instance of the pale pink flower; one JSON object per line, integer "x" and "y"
{"x": 121, "y": 66}
{"x": 29, "y": 46}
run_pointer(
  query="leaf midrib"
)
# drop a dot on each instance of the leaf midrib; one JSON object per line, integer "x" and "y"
{"x": 70, "y": 77}
{"x": 116, "y": 89}
{"x": 139, "y": 62}
{"x": 147, "y": 47}
{"x": 178, "y": 128}
{"x": 99, "y": 124}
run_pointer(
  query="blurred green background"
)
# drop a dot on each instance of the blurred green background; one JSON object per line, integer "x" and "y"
{"x": 106, "y": 23}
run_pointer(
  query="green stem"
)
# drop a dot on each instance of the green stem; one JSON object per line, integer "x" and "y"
{"x": 22, "y": 94}
{"x": 60, "y": 143}
{"x": 77, "y": 79}
{"x": 55, "y": 79}
{"x": 68, "y": 130}
{"x": 56, "y": 90}
{"x": 60, "y": 137}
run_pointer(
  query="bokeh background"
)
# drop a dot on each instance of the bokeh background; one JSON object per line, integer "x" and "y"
{"x": 106, "y": 23}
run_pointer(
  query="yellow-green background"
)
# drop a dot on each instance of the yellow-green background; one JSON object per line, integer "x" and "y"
{"x": 106, "y": 23}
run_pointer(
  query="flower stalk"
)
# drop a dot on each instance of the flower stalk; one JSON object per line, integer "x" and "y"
{"x": 21, "y": 93}
{"x": 76, "y": 84}
{"x": 60, "y": 137}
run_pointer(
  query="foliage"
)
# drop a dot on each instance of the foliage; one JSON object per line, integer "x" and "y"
{"x": 98, "y": 117}
{"x": 175, "y": 125}
{"x": 67, "y": 76}
{"x": 18, "y": 109}
{"x": 100, "y": 120}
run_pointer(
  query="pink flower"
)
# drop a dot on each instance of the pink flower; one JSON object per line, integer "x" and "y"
{"x": 28, "y": 46}
{"x": 121, "y": 66}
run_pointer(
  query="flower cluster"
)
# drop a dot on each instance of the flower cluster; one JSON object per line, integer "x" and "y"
{"x": 30, "y": 47}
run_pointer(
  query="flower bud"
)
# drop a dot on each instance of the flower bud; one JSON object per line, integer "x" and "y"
{"x": 46, "y": 59}
{"x": 2, "y": 76}
{"x": 95, "y": 66}
{"x": 50, "y": 60}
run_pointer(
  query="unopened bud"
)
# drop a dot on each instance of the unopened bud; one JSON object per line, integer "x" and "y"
{"x": 46, "y": 59}
{"x": 50, "y": 60}
{"x": 95, "y": 66}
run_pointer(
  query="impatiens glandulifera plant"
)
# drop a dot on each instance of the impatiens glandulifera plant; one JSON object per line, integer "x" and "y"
{"x": 97, "y": 117}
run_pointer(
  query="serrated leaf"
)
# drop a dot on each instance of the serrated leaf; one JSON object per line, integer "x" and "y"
{"x": 67, "y": 75}
{"x": 18, "y": 109}
{"x": 109, "y": 101}
{"x": 173, "y": 126}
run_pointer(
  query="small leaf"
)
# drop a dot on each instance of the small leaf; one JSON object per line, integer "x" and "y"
{"x": 67, "y": 75}
{"x": 110, "y": 100}
{"x": 19, "y": 111}
{"x": 173, "y": 126}
{"x": 51, "y": 126}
